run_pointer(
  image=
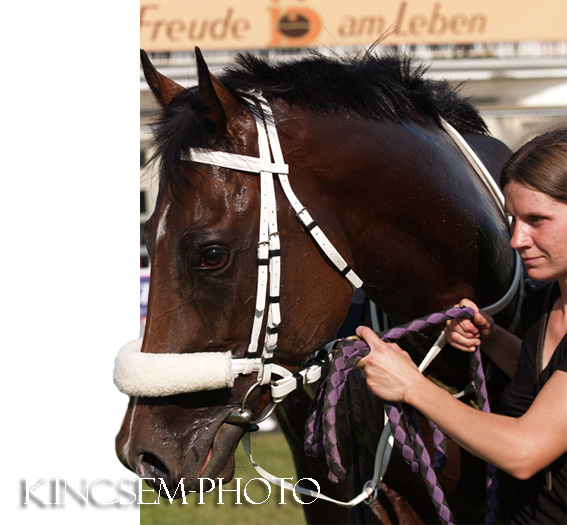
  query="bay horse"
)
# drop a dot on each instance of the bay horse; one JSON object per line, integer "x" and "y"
{"x": 364, "y": 149}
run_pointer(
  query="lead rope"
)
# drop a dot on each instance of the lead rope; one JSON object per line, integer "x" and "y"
{"x": 318, "y": 418}
{"x": 492, "y": 483}
{"x": 320, "y": 426}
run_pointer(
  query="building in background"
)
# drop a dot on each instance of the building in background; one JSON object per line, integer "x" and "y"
{"x": 510, "y": 55}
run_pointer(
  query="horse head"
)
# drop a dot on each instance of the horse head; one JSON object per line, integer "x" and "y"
{"x": 203, "y": 242}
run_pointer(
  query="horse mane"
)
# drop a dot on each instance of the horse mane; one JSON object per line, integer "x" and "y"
{"x": 387, "y": 87}
{"x": 382, "y": 87}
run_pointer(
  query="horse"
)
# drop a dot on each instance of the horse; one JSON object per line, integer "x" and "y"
{"x": 364, "y": 148}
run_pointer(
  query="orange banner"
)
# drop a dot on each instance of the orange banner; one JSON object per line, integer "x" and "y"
{"x": 177, "y": 25}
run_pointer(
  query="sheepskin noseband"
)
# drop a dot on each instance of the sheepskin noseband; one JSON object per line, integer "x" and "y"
{"x": 145, "y": 374}
{"x": 157, "y": 375}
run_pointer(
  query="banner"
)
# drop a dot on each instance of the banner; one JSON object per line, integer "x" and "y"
{"x": 179, "y": 25}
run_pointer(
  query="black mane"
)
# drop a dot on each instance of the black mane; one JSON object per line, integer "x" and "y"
{"x": 376, "y": 87}
{"x": 386, "y": 87}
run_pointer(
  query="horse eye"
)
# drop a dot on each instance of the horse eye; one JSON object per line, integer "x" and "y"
{"x": 213, "y": 258}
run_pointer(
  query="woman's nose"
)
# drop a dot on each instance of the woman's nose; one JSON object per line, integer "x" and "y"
{"x": 520, "y": 236}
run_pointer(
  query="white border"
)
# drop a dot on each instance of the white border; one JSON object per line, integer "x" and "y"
{"x": 70, "y": 251}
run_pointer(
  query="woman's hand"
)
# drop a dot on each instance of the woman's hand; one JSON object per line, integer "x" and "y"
{"x": 388, "y": 370}
{"x": 467, "y": 334}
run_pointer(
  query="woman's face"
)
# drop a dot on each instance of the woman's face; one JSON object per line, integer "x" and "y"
{"x": 539, "y": 231}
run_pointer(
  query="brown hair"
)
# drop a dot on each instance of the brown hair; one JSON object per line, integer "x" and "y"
{"x": 541, "y": 165}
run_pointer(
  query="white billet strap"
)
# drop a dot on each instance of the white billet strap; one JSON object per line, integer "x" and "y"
{"x": 270, "y": 225}
{"x": 262, "y": 258}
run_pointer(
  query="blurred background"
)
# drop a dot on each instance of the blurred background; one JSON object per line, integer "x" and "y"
{"x": 509, "y": 56}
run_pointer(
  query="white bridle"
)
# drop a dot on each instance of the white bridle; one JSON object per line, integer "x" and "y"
{"x": 155, "y": 375}
{"x": 135, "y": 372}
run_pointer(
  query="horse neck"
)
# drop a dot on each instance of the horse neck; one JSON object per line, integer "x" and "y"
{"x": 375, "y": 190}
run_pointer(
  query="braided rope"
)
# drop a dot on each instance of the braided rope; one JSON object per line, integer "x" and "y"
{"x": 414, "y": 452}
{"x": 320, "y": 432}
{"x": 491, "y": 471}
{"x": 440, "y": 446}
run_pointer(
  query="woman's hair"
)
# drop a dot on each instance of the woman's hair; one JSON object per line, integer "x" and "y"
{"x": 541, "y": 165}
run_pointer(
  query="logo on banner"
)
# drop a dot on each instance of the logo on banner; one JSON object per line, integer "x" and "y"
{"x": 294, "y": 26}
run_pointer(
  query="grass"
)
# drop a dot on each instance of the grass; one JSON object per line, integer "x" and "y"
{"x": 270, "y": 451}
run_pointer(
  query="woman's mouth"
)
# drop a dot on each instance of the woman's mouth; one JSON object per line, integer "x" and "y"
{"x": 530, "y": 260}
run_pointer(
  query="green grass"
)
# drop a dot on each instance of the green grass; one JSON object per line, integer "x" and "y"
{"x": 271, "y": 452}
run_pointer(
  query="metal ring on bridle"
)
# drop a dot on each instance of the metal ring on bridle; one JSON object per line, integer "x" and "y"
{"x": 371, "y": 489}
{"x": 244, "y": 415}
{"x": 245, "y": 398}
{"x": 267, "y": 415}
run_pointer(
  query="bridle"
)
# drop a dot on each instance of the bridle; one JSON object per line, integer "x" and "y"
{"x": 155, "y": 375}
{"x": 131, "y": 363}
{"x": 220, "y": 369}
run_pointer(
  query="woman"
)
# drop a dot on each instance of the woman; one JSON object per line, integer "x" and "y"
{"x": 529, "y": 440}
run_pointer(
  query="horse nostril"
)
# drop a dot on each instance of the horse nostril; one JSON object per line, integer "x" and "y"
{"x": 150, "y": 466}
{"x": 157, "y": 476}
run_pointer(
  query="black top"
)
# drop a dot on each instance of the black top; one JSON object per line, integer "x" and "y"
{"x": 532, "y": 501}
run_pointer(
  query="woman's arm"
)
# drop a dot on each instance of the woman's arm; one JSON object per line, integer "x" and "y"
{"x": 520, "y": 446}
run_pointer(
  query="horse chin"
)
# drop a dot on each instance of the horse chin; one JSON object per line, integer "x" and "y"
{"x": 219, "y": 462}
{"x": 203, "y": 452}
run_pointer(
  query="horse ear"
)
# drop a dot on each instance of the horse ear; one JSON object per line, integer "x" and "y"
{"x": 223, "y": 109}
{"x": 163, "y": 88}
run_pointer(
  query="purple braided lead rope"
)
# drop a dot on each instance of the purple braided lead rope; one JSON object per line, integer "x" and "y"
{"x": 439, "y": 438}
{"x": 320, "y": 430}
{"x": 320, "y": 433}
{"x": 416, "y": 454}
{"x": 484, "y": 405}
{"x": 403, "y": 412}
{"x": 440, "y": 447}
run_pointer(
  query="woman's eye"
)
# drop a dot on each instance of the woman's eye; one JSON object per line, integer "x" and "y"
{"x": 213, "y": 258}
